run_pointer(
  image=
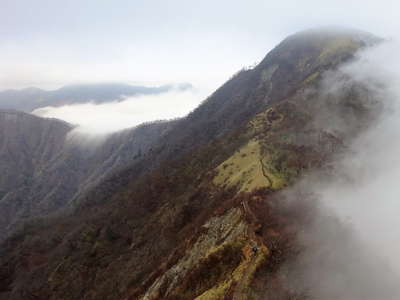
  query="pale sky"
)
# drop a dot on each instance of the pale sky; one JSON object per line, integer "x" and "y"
{"x": 50, "y": 43}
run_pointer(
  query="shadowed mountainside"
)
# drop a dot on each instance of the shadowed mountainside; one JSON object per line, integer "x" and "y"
{"x": 45, "y": 164}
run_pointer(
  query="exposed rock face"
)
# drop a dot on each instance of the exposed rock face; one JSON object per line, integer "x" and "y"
{"x": 202, "y": 216}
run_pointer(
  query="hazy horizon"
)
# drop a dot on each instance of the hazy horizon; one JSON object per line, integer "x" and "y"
{"x": 158, "y": 42}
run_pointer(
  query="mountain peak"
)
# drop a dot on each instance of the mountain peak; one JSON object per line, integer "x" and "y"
{"x": 333, "y": 32}
{"x": 307, "y": 54}
{"x": 321, "y": 45}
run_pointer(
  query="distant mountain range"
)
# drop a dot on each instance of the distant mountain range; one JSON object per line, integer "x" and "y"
{"x": 32, "y": 98}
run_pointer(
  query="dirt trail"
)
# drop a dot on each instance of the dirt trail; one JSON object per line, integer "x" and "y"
{"x": 256, "y": 241}
{"x": 240, "y": 291}
{"x": 265, "y": 174}
{"x": 254, "y": 222}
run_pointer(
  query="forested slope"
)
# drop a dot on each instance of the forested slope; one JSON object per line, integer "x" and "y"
{"x": 212, "y": 211}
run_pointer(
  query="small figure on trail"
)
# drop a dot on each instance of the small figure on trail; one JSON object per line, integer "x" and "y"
{"x": 255, "y": 249}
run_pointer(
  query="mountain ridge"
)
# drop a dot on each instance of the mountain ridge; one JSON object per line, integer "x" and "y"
{"x": 211, "y": 210}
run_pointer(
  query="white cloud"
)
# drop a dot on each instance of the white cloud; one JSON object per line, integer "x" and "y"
{"x": 362, "y": 192}
{"x": 372, "y": 200}
{"x": 109, "y": 117}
